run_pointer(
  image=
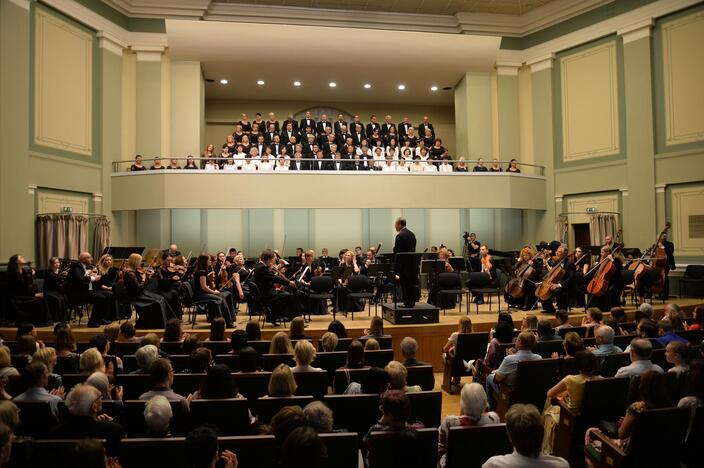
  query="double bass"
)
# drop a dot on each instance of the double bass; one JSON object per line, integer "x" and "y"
{"x": 658, "y": 260}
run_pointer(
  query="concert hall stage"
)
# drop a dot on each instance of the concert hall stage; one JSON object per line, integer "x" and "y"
{"x": 430, "y": 337}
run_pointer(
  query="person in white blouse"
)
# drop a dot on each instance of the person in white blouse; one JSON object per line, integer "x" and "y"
{"x": 423, "y": 157}
{"x": 417, "y": 165}
{"x": 230, "y": 165}
{"x": 363, "y": 145}
{"x": 406, "y": 146}
{"x": 392, "y": 148}
{"x": 421, "y": 146}
{"x": 407, "y": 155}
{"x": 379, "y": 159}
{"x": 239, "y": 158}
{"x": 378, "y": 144}
{"x": 281, "y": 164}
{"x": 211, "y": 165}
{"x": 445, "y": 166}
{"x": 390, "y": 166}
{"x": 249, "y": 165}
{"x": 402, "y": 166}
{"x": 430, "y": 168}
{"x": 265, "y": 164}
{"x": 284, "y": 154}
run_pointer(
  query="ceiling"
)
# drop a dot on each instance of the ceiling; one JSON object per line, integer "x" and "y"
{"x": 349, "y": 57}
{"x": 439, "y": 7}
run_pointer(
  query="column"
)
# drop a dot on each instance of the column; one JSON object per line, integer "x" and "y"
{"x": 507, "y": 110}
{"x": 473, "y": 116}
{"x": 149, "y": 102}
{"x": 17, "y": 200}
{"x": 187, "y": 108}
{"x": 660, "y": 213}
{"x": 639, "y": 206}
{"x": 541, "y": 80}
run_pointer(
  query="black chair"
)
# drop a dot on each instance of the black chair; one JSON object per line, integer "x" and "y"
{"x": 272, "y": 361}
{"x": 426, "y": 407}
{"x": 257, "y": 304}
{"x": 693, "y": 336}
{"x": 471, "y": 447}
{"x": 385, "y": 342}
{"x": 267, "y": 407}
{"x": 581, "y": 331}
{"x": 57, "y": 453}
{"x": 355, "y": 413}
{"x": 252, "y": 451}
{"x": 330, "y": 362}
{"x": 343, "y": 378}
{"x": 184, "y": 384}
{"x": 133, "y": 385}
{"x": 342, "y": 448}
{"x": 123, "y": 348}
{"x": 532, "y": 382}
{"x": 613, "y": 362}
{"x": 342, "y": 344}
{"x": 252, "y": 384}
{"x": 67, "y": 365}
{"x": 360, "y": 287}
{"x": 260, "y": 346}
{"x": 230, "y": 416}
{"x": 322, "y": 288}
{"x": 546, "y": 348}
{"x": 469, "y": 346}
{"x": 37, "y": 418}
{"x": 313, "y": 383}
{"x": 450, "y": 284}
{"x": 480, "y": 284}
{"x": 232, "y": 361}
{"x": 171, "y": 347}
{"x": 378, "y": 357}
{"x": 622, "y": 341}
{"x": 71, "y": 380}
{"x": 422, "y": 376}
{"x": 218, "y": 347}
{"x": 402, "y": 449}
{"x": 693, "y": 274}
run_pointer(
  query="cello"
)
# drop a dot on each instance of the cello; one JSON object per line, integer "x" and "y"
{"x": 658, "y": 261}
{"x": 515, "y": 287}
{"x": 556, "y": 273}
{"x": 599, "y": 284}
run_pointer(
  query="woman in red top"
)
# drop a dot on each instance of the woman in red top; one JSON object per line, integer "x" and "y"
{"x": 698, "y": 322}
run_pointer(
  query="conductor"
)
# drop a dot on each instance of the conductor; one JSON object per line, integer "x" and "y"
{"x": 404, "y": 265}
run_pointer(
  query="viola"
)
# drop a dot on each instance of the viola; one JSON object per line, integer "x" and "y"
{"x": 486, "y": 264}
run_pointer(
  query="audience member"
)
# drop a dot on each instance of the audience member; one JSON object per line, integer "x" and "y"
{"x": 238, "y": 341}
{"x": 91, "y": 361}
{"x": 397, "y": 377}
{"x": 6, "y": 367}
{"x": 285, "y": 421}
{"x": 217, "y": 384}
{"x": 280, "y": 344}
{"x": 254, "y": 332}
{"x": 676, "y": 353}
{"x": 329, "y": 342}
{"x": 47, "y": 355}
{"x": 9, "y": 415}
{"x": 202, "y": 449}
{"x": 297, "y": 329}
{"x": 282, "y": 383}
{"x": 666, "y": 330}
{"x": 128, "y": 332}
{"x": 162, "y": 376}
{"x": 145, "y": 356}
{"x": 7, "y": 436}
{"x": 173, "y": 331}
{"x": 592, "y": 319}
{"x": 572, "y": 343}
{"x": 371, "y": 345}
{"x": 303, "y": 449}
{"x": 158, "y": 416}
{"x": 319, "y": 416}
{"x": 37, "y": 376}
{"x": 409, "y": 348}
{"x": 355, "y": 356}
{"x": 338, "y": 328}
{"x": 250, "y": 361}
{"x": 90, "y": 453}
{"x": 604, "y": 335}
{"x": 507, "y": 370}
{"x": 376, "y": 329}
{"x": 698, "y": 320}
{"x": 562, "y": 320}
{"x": 641, "y": 350}
{"x": 545, "y": 331}
{"x": 217, "y": 329}
{"x": 464, "y": 326}
{"x": 304, "y": 353}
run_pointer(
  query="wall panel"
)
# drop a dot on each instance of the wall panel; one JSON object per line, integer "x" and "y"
{"x": 687, "y": 215}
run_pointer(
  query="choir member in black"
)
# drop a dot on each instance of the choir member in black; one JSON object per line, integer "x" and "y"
{"x": 582, "y": 264}
{"x": 53, "y": 290}
{"x": 281, "y": 304}
{"x": 526, "y": 262}
{"x": 108, "y": 276}
{"x": 153, "y": 310}
{"x": 138, "y": 166}
{"x": 612, "y": 297}
{"x": 83, "y": 287}
{"x": 169, "y": 285}
{"x": 480, "y": 167}
{"x": 495, "y": 166}
{"x": 513, "y": 167}
{"x": 190, "y": 164}
{"x": 204, "y": 289}
{"x": 445, "y": 301}
{"x": 426, "y": 125}
{"x": 562, "y": 290}
{"x": 24, "y": 294}
{"x": 345, "y": 303}
{"x": 405, "y": 267}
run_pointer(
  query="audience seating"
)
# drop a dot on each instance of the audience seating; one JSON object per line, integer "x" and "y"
{"x": 693, "y": 336}
{"x": 29, "y": 452}
{"x": 342, "y": 344}
{"x": 272, "y": 361}
{"x": 19, "y": 361}
{"x": 171, "y": 347}
{"x": 230, "y": 416}
{"x": 330, "y": 362}
{"x": 36, "y": 418}
{"x": 342, "y": 448}
{"x": 126, "y": 347}
{"x": 656, "y": 438}
{"x": 260, "y": 346}
{"x": 343, "y": 377}
{"x": 70, "y": 380}
{"x": 695, "y": 441}
{"x": 354, "y": 413}
{"x": 533, "y": 380}
{"x": 267, "y": 407}
{"x": 469, "y": 346}
{"x": 390, "y": 450}
{"x": 378, "y": 358}
{"x": 622, "y": 341}
{"x": 613, "y": 362}
{"x": 252, "y": 385}
{"x": 132, "y": 416}
{"x": 422, "y": 376}
{"x": 313, "y": 383}
{"x": 693, "y": 274}
{"x": 546, "y": 348}
{"x": 67, "y": 365}
{"x": 16, "y": 384}
{"x": 604, "y": 399}
{"x": 232, "y": 361}
{"x": 581, "y": 331}
{"x": 426, "y": 407}
{"x": 385, "y": 342}
{"x": 179, "y": 362}
{"x": 470, "y": 447}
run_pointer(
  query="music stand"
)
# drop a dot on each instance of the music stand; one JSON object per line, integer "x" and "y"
{"x": 457, "y": 263}
{"x": 430, "y": 256}
{"x": 378, "y": 271}
{"x": 341, "y": 273}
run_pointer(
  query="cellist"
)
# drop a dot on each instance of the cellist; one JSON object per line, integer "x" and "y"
{"x": 612, "y": 297}
{"x": 486, "y": 267}
{"x": 527, "y": 267}
{"x": 561, "y": 290}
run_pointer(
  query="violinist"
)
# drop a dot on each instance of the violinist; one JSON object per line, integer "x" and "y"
{"x": 345, "y": 303}
{"x": 169, "y": 285}
{"x": 54, "y": 290}
{"x": 204, "y": 289}
{"x": 281, "y": 304}
{"x": 241, "y": 276}
{"x": 561, "y": 290}
{"x": 108, "y": 276}
{"x": 29, "y": 302}
{"x": 311, "y": 267}
{"x": 83, "y": 287}
{"x": 153, "y": 310}
{"x": 669, "y": 248}
{"x": 472, "y": 246}
{"x": 612, "y": 296}
{"x": 582, "y": 264}
{"x": 445, "y": 301}
{"x": 526, "y": 272}
{"x": 486, "y": 267}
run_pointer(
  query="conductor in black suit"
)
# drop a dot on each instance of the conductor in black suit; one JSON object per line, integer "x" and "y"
{"x": 405, "y": 267}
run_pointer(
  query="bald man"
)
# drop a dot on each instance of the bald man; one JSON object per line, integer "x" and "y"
{"x": 82, "y": 287}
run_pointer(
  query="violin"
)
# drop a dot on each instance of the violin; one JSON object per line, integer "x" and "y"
{"x": 180, "y": 269}
{"x": 486, "y": 265}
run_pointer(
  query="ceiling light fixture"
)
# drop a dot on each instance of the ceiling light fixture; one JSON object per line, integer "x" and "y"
{"x": 224, "y": 81}
{"x": 433, "y": 88}
{"x": 401, "y": 87}
{"x": 260, "y": 82}
{"x": 296, "y": 83}
{"x": 332, "y": 84}
{"x": 367, "y": 86}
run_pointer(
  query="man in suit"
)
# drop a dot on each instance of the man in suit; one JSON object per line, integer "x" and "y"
{"x": 387, "y": 125}
{"x": 270, "y": 134}
{"x": 292, "y": 121}
{"x": 289, "y": 131}
{"x": 405, "y": 267}
{"x": 280, "y": 304}
{"x": 307, "y": 122}
{"x": 404, "y": 126}
{"x": 309, "y": 145}
{"x": 373, "y": 125}
{"x": 320, "y": 163}
{"x": 339, "y": 123}
{"x": 83, "y": 288}
{"x": 341, "y": 138}
{"x": 358, "y": 135}
{"x": 297, "y": 164}
{"x": 276, "y": 146}
{"x": 261, "y": 144}
{"x": 360, "y": 164}
{"x": 323, "y": 125}
{"x": 426, "y": 125}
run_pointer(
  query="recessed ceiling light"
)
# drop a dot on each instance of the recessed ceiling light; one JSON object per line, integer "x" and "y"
{"x": 260, "y": 82}
{"x": 433, "y": 88}
{"x": 296, "y": 83}
{"x": 367, "y": 86}
{"x": 401, "y": 87}
{"x": 224, "y": 81}
{"x": 332, "y": 84}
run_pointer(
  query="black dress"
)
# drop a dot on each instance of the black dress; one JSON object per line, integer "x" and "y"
{"x": 170, "y": 289}
{"x": 28, "y": 307}
{"x": 153, "y": 310}
{"x": 220, "y": 305}
{"x": 134, "y": 168}
{"x": 54, "y": 296}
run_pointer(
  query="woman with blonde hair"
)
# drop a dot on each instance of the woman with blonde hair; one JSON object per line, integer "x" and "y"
{"x": 464, "y": 326}
{"x": 108, "y": 273}
{"x": 91, "y": 361}
{"x": 6, "y": 368}
{"x": 280, "y": 344}
{"x": 304, "y": 353}
{"x": 145, "y": 302}
{"x": 47, "y": 355}
{"x": 281, "y": 382}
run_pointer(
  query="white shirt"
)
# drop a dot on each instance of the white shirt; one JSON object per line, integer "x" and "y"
{"x": 430, "y": 168}
{"x": 211, "y": 167}
{"x": 388, "y": 168}
{"x": 266, "y": 166}
{"x": 417, "y": 167}
{"x": 249, "y": 166}
{"x": 516, "y": 460}
{"x": 393, "y": 152}
{"x": 229, "y": 167}
{"x": 281, "y": 167}
{"x": 239, "y": 160}
{"x": 445, "y": 168}
{"x": 403, "y": 167}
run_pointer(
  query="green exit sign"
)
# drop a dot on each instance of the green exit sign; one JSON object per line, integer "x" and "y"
{"x": 66, "y": 209}
{"x": 591, "y": 209}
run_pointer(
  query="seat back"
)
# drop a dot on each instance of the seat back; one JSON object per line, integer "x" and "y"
{"x": 133, "y": 385}
{"x": 533, "y": 380}
{"x": 658, "y": 357}
{"x": 171, "y": 347}
{"x": 546, "y": 348}
{"x": 469, "y": 346}
{"x": 252, "y": 384}
{"x": 57, "y": 453}
{"x": 313, "y": 383}
{"x": 342, "y": 344}
{"x": 426, "y": 407}
{"x": 342, "y": 449}
{"x": 378, "y": 357}
{"x": 36, "y": 418}
{"x": 149, "y": 452}
{"x": 581, "y": 331}
{"x": 605, "y": 399}
{"x": 693, "y": 336}
{"x": 358, "y": 283}
{"x": 66, "y": 365}
{"x": 267, "y": 407}
{"x": 403, "y": 449}
{"x": 694, "y": 272}
{"x": 126, "y": 347}
{"x": 71, "y": 380}
{"x": 132, "y": 419}
{"x": 500, "y": 354}
{"x": 19, "y": 361}
{"x": 695, "y": 440}
{"x": 260, "y": 346}
{"x": 613, "y": 362}
{"x": 232, "y": 361}
{"x": 252, "y": 451}
{"x": 473, "y": 446}
{"x": 649, "y": 432}
{"x": 16, "y": 384}
{"x": 230, "y": 416}
{"x": 343, "y": 377}
{"x": 272, "y": 361}
{"x": 385, "y": 342}
{"x": 448, "y": 280}
{"x": 184, "y": 384}
{"x": 218, "y": 347}
{"x": 421, "y": 375}
{"x": 321, "y": 284}
{"x": 355, "y": 413}
{"x": 330, "y": 362}
{"x": 622, "y": 341}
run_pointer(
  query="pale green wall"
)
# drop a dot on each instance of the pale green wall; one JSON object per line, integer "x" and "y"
{"x": 508, "y": 113}
{"x": 478, "y": 115}
{"x": 149, "y": 109}
{"x": 187, "y": 106}
{"x": 543, "y": 148}
{"x": 461, "y": 125}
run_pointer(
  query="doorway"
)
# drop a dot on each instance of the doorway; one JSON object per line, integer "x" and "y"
{"x": 582, "y": 237}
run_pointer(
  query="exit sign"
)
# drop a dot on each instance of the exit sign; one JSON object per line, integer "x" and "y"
{"x": 66, "y": 209}
{"x": 591, "y": 209}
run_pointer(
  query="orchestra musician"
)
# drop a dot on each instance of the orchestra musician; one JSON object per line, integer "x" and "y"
{"x": 345, "y": 303}
{"x": 83, "y": 287}
{"x": 670, "y": 265}
{"x": 486, "y": 267}
{"x": 108, "y": 275}
{"x": 153, "y": 310}
{"x": 612, "y": 298}
{"x": 53, "y": 290}
{"x": 23, "y": 292}
{"x": 528, "y": 268}
{"x": 472, "y": 246}
{"x": 563, "y": 289}
{"x": 169, "y": 285}
{"x": 446, "y": 301}
{"x": 205, "y": 290}
{"x": 241, "y": 276}
{"x": 310, "y": 267}
{"x": 281, "y": 303}
{"x": 583, "y": 264}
